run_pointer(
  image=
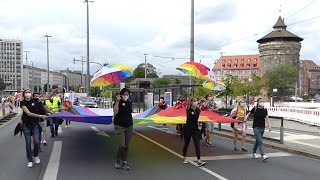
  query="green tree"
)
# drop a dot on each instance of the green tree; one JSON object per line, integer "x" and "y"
{"x": 161, "y": 82}
{"x": 2, "y": 85}
{"x": 177, "y": 81}
{"x": 151, "y": 71}
{"x": 95, "y": 91}
{"x": 282, "y": 78}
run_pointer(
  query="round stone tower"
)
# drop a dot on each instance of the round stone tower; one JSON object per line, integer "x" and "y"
{"x": 279, "y": 47}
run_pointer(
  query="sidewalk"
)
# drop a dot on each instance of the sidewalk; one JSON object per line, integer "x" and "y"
{"x": 300, "y": 139}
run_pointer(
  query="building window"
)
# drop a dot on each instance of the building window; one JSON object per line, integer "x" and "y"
{"x": 248, "y": 65}
{"x": 242, "y": 60}
{"x": 242, "y": 65}
{"x": 224, "y": 60}
{"x": 236, "y": 60}
{"x": 249, "y": 60}
{"x": 255, "y": 65}
{"x": 236, "y": 65}
{"x": 230, "y": 60}
{"x": 223, "y": 66}
{"x": 229, "y": 65}
{"x": 255, "y": 59}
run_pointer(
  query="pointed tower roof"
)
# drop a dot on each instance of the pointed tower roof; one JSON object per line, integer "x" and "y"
{"x": 280, "y": 24}
{"x": 280, "y": 32}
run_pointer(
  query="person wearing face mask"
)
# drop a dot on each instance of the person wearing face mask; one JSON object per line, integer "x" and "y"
{"x": 122, "y": 109}
{"x": 181, "y": 103}
{"x": 190, "y": 130}
{"x": 162, "y": 105}
{"x": 67, "y": 104}
{"x": 260, "y": 117}
{"x": 239, "y": 113}
{"x": 29, "y": 125}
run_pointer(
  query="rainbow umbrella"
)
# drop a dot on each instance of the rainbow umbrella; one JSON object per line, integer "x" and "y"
{"x": 111, "y": 74}
{"x": 214, "y": 85}
{"x": 196, "y": 70}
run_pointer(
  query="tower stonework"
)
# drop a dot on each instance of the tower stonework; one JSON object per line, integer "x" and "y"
{"x": 279, "y": 47}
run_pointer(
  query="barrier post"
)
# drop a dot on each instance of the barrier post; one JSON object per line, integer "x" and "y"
{"x": 219, "y": 127}
{"x": 281, "y": 131}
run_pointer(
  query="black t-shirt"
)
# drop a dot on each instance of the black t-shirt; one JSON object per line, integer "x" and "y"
{"x": 124, "y": 116}
{"x": 40, "y": 110}
{"x": 259, "y": 117}
{"x": 32, "y": 106}
{"x": 193, "y": 117}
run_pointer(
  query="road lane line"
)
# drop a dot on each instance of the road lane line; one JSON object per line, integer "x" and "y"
{"x": 54, "y": 162}
{"x": 240, "y": 156}
{"x": 180, "y": 156}
{"x": 101, "y": 133}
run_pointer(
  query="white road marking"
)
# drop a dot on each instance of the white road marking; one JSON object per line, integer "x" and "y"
{"x": 241, "y": 156}
{"x": 180, "y": 156}
{"x": 59, "y": 130}
{"x": 101, "y": 133}
{"x": 53, "y": 165}
{"x": 163, "y": 130}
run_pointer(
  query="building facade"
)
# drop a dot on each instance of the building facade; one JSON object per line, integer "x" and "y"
{"x": 178, "y": 79}
{"x": 279, "y": 47}
{"x": 37, "y": 78}
{"x": 11, "y": 62}
{"x": 242, "y": 66}
{"x": 73, "y": 78}
{"x": 311, "y": 80}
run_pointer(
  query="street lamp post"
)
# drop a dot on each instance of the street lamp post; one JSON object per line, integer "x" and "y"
{"x": 88, "y": 53}
{"x": 74, "y": 60}
{"x": 27, "y": 68}
{"x": 47, "y": 36}
{"x": 145, "y": 67}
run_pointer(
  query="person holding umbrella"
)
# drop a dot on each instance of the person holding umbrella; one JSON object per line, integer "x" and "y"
{"x": 122, "y": 109}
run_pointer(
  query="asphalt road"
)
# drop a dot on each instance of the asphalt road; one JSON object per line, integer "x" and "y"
{"x": 154, "y": 154}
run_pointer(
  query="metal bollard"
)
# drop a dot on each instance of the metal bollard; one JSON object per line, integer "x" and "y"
{"x": 281, "y": 131}
{"x": 219, "y": 127}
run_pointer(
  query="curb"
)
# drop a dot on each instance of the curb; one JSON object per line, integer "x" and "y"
{"x": 272, "y": 145}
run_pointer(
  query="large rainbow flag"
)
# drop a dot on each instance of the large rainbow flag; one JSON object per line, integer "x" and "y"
{"x": 152, "y": 115}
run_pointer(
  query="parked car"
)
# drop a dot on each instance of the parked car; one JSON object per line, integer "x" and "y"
{"x": 87, "y": 102}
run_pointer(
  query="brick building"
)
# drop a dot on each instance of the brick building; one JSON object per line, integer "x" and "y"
{"x": 242, "y": 66}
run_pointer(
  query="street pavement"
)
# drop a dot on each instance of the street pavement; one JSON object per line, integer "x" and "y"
{"x": 87, "y": 151}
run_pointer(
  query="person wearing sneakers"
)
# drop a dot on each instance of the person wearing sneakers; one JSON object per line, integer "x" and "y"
{"x": 29, "y": 125}
{"x": 190, "y": 130}
{"x": 54, "y": 105}
{"x": 123, "y": 125}
{"x": 239, "y": 113}
{"x": 260, "y": 117}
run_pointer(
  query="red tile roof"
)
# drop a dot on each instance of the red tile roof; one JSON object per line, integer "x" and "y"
{"x": 238, "y": 62}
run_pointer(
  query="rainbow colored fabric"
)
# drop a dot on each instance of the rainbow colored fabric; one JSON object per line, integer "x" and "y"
{"x": 152, "y": 115}
{"x": 178, "y": 116}
{"x": 111, "y": 74}
{"x": 214, "y": 85}
{"x": 196, "y": 70}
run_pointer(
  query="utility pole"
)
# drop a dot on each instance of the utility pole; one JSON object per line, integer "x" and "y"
{"x": 145, "y": 67}
{"x": 192, "y": 33}
{"x": 221, "y": 58}
{"x": 27, "y": 69}
{"x": 47, "y": 36}
{"x": 32, "y": 81}
{"x": 88, "y": 53}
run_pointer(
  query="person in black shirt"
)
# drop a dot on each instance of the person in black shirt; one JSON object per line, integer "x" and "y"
{"x": 260, "y": 116}
{"x": 190, "y": 130}
{"x": 122, "y": 109}
{"x": 30, "y": 125}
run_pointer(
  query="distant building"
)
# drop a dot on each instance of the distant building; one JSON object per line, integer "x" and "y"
{"x": 38, "y": 78}
{"x": 279, "y": 47}
{"x": 242, "y": 66}
{"x": 11, "y": 61}
{"x": 136, "y": 82}
{"x": 74, "y": 78}
{"x": 178, "y": 79}
{"x": 311, "y": 81}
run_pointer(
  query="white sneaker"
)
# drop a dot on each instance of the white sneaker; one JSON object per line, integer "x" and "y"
{"x": 37, "y": 159}
{"x": 255, "y": 156}
{"x": 201, "y": 163}
{"x": 44, "y": 142}
{"x": 264, "y": 157}
{"x": 41, "y": 142}
{"x": 69, "y": 126}
{"x": 185, "y": 161}
{"x": 66, "y": 126}
{"x": 30, "y": 164}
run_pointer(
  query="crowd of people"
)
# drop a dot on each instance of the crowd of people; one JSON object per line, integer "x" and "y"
{"x": 37, "y": 110}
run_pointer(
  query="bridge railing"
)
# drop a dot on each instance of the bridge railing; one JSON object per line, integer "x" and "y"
{"x": 308, "y": 116}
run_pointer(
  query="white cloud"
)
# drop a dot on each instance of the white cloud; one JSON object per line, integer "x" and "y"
{"x": 123, "y": 30}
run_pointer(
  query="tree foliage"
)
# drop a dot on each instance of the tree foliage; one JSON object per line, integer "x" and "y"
{"x": 139, "y": 71}
{"x": 161, "y": 82}
{"x": 282, "y": 78}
